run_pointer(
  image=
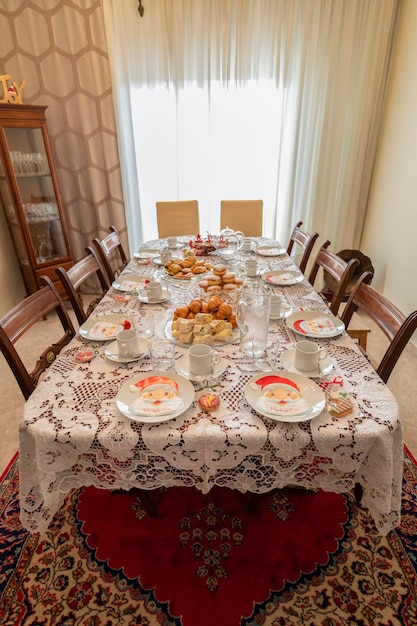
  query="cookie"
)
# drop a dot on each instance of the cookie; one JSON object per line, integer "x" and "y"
{"x": 339, "y": 403}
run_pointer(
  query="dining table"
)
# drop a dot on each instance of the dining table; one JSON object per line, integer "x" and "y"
{"x": 74, "y": 434}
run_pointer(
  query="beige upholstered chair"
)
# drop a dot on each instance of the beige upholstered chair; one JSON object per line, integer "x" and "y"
{"x": 179, "y": 217}
{"x": 243, "y": 215}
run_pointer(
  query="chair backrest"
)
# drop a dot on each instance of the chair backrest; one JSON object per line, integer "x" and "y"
{"x": 176, "y": 218}
{"x": 394, "y": 324}
{"x": 111, "y": 253}
{"x": 306, "y": 242}
{"x": 243, "y": 215}
{"x": 20, "y": 319}
{"x": 339, "y": 269}
{"x": 78, "y": 274}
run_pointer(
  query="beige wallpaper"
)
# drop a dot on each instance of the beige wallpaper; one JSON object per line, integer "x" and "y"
{"x": 58, "y": 47}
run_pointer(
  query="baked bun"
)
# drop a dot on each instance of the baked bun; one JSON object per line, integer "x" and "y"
{"x": 219, "y": 269}
{"x": 228, "y": 277}
{"x": 213, "y": 279}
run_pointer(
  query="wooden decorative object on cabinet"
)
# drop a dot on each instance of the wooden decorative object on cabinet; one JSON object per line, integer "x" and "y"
{"x": 29, "y": 195}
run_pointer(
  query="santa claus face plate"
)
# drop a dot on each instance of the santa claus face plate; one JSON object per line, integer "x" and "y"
{"x": 315, "y": 324}
{"x": 285, "y": 397}
{"x": 155, "y": 397}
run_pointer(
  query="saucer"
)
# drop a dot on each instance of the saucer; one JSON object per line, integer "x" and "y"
{"x": 112, "y": 352}
{"x": 182, "y": 367}
{"x": 143, "y": 296}
{"x": 287, "y": 361}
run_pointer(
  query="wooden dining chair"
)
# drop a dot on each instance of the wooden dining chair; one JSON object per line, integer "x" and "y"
{"x": 340, "y": 270}
{"x": 177, "y": 217}
{"x": 305, "y": 241}
{"x": 111, "y": 252}
{"x": 72, "y": 279}
{"x": 20, "y": 319}
{"x": 394, "y": 324}
{"x": 243, "y": 215}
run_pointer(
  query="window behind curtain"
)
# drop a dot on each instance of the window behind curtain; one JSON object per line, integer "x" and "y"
{"x": 209, "y": 143}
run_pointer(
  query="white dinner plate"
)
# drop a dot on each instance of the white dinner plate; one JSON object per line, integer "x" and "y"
{"x": 176, "y": 392}
{"x": 270, "y": 251}
{"x": 287, "y": 361}
{"x": 112, "y": 352}
{"x": 315, "y": 324}
{"x": 283, "y": 278}
{"x": 130, "y": 284}
{"x": 284, "y": 396}
{"x": 143, "y": 296}
{"x": 182, "y": 367}
{"x": 105, "y": 327}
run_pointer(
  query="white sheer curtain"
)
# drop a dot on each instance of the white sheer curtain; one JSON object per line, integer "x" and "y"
{"x": 272, "y": 99}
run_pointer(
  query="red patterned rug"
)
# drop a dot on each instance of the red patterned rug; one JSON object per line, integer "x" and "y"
{"x": 221, "y": 559}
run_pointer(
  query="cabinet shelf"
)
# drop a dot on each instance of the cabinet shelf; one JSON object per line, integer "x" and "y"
{"x": 33, "y": 174}
{"x": 30, "y": 199}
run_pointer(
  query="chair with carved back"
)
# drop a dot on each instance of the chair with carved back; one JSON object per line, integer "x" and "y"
{"x": 340, "y": 270}
{"x": 72, "y": 279}
{"x": 243, "y": 215}
{"x": 111, "y": 252}
{"x": 305, "y": 241}
{"x": 15, "y": 323}
{"x": 397, "y": 327}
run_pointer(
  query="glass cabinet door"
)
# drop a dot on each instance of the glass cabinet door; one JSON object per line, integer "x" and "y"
{"x": 35, "y": 187}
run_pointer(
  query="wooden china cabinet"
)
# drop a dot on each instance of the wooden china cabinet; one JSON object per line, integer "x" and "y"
{"x": 29, "y": 194}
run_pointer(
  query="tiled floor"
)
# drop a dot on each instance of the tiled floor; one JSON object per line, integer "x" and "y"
{"x": 401, "y": 383}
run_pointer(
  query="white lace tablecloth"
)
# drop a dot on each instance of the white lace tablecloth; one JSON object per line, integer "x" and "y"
{"x": 72, "y": 434}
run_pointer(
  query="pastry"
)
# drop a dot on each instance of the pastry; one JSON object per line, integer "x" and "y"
{"x": 229, "y": 277}
{"x": 219, "y": 269}
{"x": 209, "y": 401}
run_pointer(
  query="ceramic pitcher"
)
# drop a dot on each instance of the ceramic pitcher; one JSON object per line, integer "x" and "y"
{"x": 252, "y": 314}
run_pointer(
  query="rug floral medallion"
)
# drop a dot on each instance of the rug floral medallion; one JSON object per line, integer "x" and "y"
{"x": 220, "y": 559}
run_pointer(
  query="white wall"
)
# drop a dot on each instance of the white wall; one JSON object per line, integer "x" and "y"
{"x": 391, "y": 225}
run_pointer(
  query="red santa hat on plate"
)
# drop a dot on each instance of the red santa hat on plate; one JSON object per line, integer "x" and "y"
{"x": 276, "y": 381}
{"x": 156, "y": 381}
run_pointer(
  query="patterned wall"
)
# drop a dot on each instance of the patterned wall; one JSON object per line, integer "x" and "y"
{"x": 59, "y": 48}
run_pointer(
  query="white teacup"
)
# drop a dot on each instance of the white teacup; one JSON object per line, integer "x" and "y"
{"x": 154, "y": 290}
{"x": 172, "y": 242}
{"x": 276, "y": 304}
{"x": 307, "y": 356}
{"x": 127, "y": 343}
{"x": 202, "y": 359}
